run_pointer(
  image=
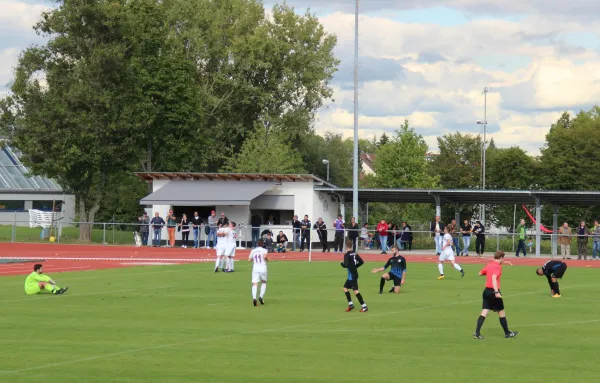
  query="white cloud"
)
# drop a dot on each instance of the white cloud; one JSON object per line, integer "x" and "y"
{"x": 544, "y": 74}
{"x": 15, "y": 15}
{"x": 8, "y": 61}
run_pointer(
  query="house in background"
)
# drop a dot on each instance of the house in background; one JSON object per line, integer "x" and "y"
{"x": 20, "y": 192}
{"x": 367, "y": 165}
{"x": 241, "y": 196}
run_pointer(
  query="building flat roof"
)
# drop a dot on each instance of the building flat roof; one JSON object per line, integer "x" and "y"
{"x": 191, "y": 176}
{"x": 471, "y": 196}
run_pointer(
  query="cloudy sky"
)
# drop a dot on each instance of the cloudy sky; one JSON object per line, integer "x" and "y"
{"x": 429, "y": 60}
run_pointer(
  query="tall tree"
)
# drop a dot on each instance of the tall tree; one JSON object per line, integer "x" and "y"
{"x": 401, "y": 163}
{"x": 70, "y": 112}
{"x": 459, "y": 167}
{"x": 569, "y": 160}
{"x": 265, "y": 152}
{"x": 383, "y": 140}
{"x": 509, "y": 169}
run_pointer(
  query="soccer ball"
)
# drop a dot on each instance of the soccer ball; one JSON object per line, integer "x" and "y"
{"x": 52, "y": 239}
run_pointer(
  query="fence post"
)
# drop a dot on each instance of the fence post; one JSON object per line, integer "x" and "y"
{"x": 103, "y": 234}
{"x": 13, "y": 236}
{"x": 58, "y": 232}
{"x": 497, "y": 241}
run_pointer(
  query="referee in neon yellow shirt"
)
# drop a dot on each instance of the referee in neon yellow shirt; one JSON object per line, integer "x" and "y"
{"x": 37, "y": 282}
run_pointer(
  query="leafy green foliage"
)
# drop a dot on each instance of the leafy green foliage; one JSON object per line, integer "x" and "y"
{"x": 265, "y": 152}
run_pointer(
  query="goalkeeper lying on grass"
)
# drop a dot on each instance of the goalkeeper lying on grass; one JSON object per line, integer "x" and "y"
{"x": 37, "y": 282}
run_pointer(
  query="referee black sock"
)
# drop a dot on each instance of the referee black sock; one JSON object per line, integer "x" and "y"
{"x": 381, "y": 284}
{"x": 359, "y": 297}
{"x": 504, "y": 324}
{"x": 348, "y": 297}
{"x": 480, "y": 321}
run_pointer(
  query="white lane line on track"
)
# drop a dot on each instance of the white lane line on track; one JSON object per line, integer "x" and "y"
{"x": 100, "y": 259}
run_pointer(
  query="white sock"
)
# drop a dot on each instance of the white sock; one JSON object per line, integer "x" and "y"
{"x": 217, "y": 262}
{"x": 457, "y": 267}
{"x": 231, "y": 263}
{"x": 263, "y": 288}
{"x": 350, "y": 303}
{"x": 222, "y": 264}
{"x": 254, "y": 290}
{"x": 227, "y": 263}
{"x": 441, "y": 268}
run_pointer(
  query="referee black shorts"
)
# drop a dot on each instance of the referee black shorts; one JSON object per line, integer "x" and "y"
{"x": 560, "y": 271}
{"x": 490, "y": 302}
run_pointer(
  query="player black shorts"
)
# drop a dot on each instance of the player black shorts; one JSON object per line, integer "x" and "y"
{"x": 397, "y": 280}
{"x": 560, "y": 271}
{"x": 351, "y": 284}
{"x": 490, "y": 302}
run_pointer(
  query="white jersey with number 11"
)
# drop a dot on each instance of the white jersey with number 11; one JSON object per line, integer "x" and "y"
{"x": 259, "y": 257}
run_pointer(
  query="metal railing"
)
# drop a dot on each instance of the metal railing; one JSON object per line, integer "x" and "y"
{"x": 110, "y": 233}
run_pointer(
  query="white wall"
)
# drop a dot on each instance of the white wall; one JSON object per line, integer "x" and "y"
{"x": 67, "y": 212}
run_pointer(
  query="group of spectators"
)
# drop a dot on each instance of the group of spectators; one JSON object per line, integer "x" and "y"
{"x": 386, "y": 235}
{"x": 184, "y": 225}
{"x": 582, "y": 233}
{"x": 438, "y": 228}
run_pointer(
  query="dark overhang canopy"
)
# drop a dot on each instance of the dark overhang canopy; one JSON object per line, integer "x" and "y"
{"x": 471, "y": 196}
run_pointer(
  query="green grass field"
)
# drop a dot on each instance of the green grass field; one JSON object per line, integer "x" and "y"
{"x": 188, "y": 324}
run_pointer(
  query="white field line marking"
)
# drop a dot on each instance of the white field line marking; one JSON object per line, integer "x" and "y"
{"x": 178, "y": 344}
{"x": 57, "y": 270}
{"x": 52, "y": 258}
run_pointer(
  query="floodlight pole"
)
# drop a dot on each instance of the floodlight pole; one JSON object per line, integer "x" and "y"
{"x": 355, "y": 162}
{"x": 483, "y": 149}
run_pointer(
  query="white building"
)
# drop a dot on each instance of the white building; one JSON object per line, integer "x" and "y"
{"x": 241, "y": 196}
{"x": 20, "y": 192}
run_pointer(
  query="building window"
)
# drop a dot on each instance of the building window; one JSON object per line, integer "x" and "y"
{"x": 12, "y": 206}
{"x": 46, "y": 205}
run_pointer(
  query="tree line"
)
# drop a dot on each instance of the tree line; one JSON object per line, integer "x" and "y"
{"x": 123, "y": 86}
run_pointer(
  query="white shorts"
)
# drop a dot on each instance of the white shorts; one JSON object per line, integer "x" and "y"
{"x": 447, "y": 255}
{"x": 259, "y": 276}
{"x": 221, "y": 251}
{"x": 230, "y": 251}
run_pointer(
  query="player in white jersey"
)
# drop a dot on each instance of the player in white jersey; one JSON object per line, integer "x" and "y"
{"x": 222, "y": 235}
{"x": 230, "y": 248}
{"x": 447, "y": 255}
{"x": 260, "y": 258}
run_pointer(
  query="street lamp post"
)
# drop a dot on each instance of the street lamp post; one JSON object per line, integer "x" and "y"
{"x": 484, "y": 123}
{"x": 326, "y": 162}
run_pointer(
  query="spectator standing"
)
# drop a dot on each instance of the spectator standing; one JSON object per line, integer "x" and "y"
{"x": 144, "y": 222}
{"x": 353, "y": 231}
{"x": 479, "y": 231}
{"x": 305, "y": 225}
{"x": 596, "y": 234}
{"x": 256, "y": 221}
{"x": 521, "y": 237}
{"x": 466, "y": 230}
{"x": 321, "y": 229}
{"x": 212, "y": 230}
{"x": 196, "y": 222}
{"x": 282, "y": 242}
{"x": 223, "y": 221}
{"x": 184, "y": 226}
{"x": 437, "y": 228}
{"x": 338, "y": 244}
{"x": 405, "y": 240}
{"x": 382, "y": 229}
{"x": 565, "y": 237}
{"x": 364, "y": 234}
{"x": 296, "y": 228}
{"x": 271, "y": 221}
{"x": 157, "y": 224}
{"x": 582, "y": 241}
{"x": 171, "y": 225}
{"x": 453, "y": 231}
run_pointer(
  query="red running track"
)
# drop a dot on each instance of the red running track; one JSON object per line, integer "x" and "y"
{"x": 65, "y": 258}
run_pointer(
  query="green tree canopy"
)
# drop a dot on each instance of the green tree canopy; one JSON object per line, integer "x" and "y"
{"x": 265, "y": 152}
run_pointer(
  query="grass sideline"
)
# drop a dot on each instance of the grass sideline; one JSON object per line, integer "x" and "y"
{"x": 188, "y": 324}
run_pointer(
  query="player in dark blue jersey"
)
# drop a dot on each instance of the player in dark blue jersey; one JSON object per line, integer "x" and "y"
{"x": 352, "y": 262}
{"x": 553, "y": 270}
{"x": 397, "y": 273}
